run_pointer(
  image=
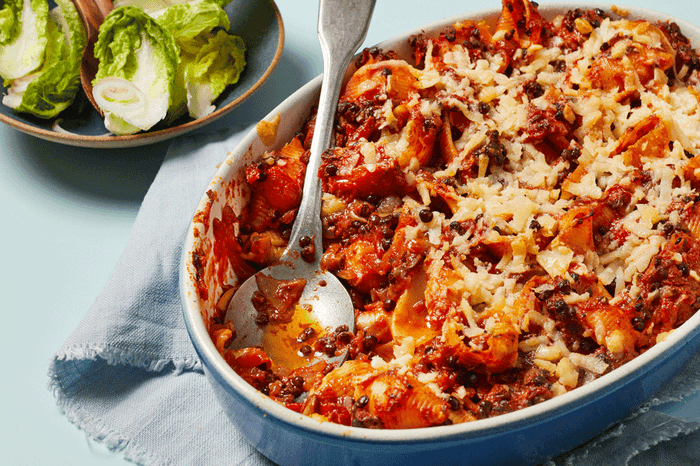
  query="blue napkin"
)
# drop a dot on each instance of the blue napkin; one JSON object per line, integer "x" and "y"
{"x": 129, "y": 377}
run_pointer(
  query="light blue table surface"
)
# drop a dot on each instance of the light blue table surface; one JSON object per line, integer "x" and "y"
{"x": 67, "y": 213}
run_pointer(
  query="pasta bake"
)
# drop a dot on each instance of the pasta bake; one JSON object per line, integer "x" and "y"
{"x": 513, "y": 211}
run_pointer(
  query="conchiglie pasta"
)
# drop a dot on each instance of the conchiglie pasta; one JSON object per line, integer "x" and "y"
{"x": 393, "y": 79}
{"x": 513, "y": 214}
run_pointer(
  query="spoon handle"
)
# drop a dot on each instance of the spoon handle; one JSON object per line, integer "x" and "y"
{"x": 90, "y": 15}
{"x": 342, "y": 27}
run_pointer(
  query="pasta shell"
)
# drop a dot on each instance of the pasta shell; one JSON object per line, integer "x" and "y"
{"x": 342, "y": 381}
{"x": 264, "y": 248}
{"x": 374, "y": 320}
{"x": 576, "y": 230}
{"x": 573, "y": 178}
{"x": 393, "y": 78}
{"x": 496, "y": 352}
{"x": 649, "y": 138}
{"x": 610, "y": 326}
{"x": 446, "y": 144}
{"x": 692, "y": 221}
{"x": 506, "y": 25}
{"x": 363, "y": 258}
{"x": 402, "y": 402}
{"x": 410, "y": 317}
{"x": 420, "y": 134}
{"x": 221, "y": 338}
{"x": 484, "y": 32}
{"x": 691, "y": 171}
{"x": 293, "y": 150}
{"x": 260, "y": 214}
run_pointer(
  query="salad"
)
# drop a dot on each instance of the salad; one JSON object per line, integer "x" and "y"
{"x": 40, "y": 53}
{"x": 158, "y": 60}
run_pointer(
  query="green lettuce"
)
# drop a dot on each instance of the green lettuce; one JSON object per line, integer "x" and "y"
{"x": 206, "y": 60}
{"x": 24, "y": 37}
{"x": 157, "y": 7}
{"x": 215, "y": 66}
{"x": 10, "y": 20}
{"x": 211, "y": 59}
{"x": 137, "y": 70}
{"x": 186, "y": 22}
{"x": 51, "y": 88}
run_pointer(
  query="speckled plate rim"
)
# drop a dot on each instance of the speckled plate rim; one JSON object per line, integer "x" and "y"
{"x": 684, "y": 337}
{"x": 116, "y": 142}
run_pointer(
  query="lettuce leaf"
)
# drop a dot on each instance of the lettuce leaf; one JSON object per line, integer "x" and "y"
{"x": 155, "y": 8}
{"x": 208, "y": 59}
{"x": 136, "y": 75}
{"x": 10, "y": 20}
{"x": 24, "y": 37}
{"x": 187, "y": 21}
{"x": 215, "y": 66}
{"x": 211, "y": 58}
{"x": 50, "y": 89}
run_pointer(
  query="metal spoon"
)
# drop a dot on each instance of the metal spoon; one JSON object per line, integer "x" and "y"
{"x": 342, "y": 27}
{"x": 93, "y": 13}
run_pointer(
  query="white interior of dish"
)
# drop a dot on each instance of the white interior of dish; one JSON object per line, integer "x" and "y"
{"x": 293, "y": 111}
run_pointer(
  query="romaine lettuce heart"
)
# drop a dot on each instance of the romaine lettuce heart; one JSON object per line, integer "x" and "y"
{"x": 135, "y": 53}
{"x": 217, "y": 64}
{"x": 211, "y": 58}
{"x": 49, "y": 89}
{"x": 22, "y": 50}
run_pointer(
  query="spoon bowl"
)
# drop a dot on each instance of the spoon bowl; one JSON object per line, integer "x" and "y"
{"x": 324, "y": 300}
{"x": 342, "y": 26}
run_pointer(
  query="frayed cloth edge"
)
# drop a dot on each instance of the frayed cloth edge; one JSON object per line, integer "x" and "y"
{"x": 117, "y": 356}
{"x": 582, "y": 452}
{"x": 95, "y": 429}
{"x": 676, "y": 429}
{"x": 672, "y": 431}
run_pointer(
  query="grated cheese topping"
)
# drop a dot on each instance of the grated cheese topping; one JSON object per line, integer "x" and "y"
{"x": 515, "y": 214}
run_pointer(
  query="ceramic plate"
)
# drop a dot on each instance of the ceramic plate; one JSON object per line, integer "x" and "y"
{"x": 260, "y": 26}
